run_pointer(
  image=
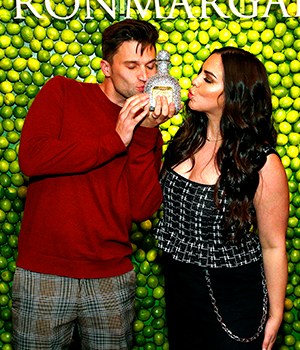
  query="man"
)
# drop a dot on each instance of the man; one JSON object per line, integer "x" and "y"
{"x": 92, "y": 153}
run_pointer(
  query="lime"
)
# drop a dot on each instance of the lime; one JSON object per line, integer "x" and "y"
{"x": 296, "y": 105}
{"x": 103, "y": 25}
{"x": 289, "y": 340}
{"x": 148, "y": 302}
{"x": 39, "y": 32}
{"x": 91, "y": 26}
{"x": 145, "y": 267}
{"x": 11, "y": 52}
{"x": 182, "y": 47}
{"x": 241, "y": 39}
{"x": 224, "y": 35}
{"x": 189, "y": 35}
{"x": 75, "y": 25}
{"x": 17, "y": 42}
{"x": 283, "y": 69}
{"x": 6, "y": 112}
{"x": 46, "y": 69}
{"x": 82, "y": 37}
{"x": 72, "y": 72}
{"x": 67, "y": 36}
{"x": 25, "y": 52}
{"x": 141, "y": 279}
{"x": 38, "y": 78}
{"x": 141, "y": 292}
{"x": 74, "y": 48}
{"x": 213, "y": 33}
{"x": 11, "y": 155}
{"x": 292, "y": 116}
{"x": 152, "y": 253}
{"x": 167, "y": 26}
{"x": 287, "y": 82}
{"x": 286, "y": 102}
{"x": 294, "y": 138}
{"x": 295, "y": 66}
{"x": 162, "y": 37}
{"x": 181, "y": 25}
{"x": 203, "y": 37}
{"x": 143, "y": 315}
{"x": 13, "y": 241}
{"x": 271, "y": 67}
{"x": 274, "y": 79}
{"x": 60, "y": 47}
{"x": 158, "y": 292}
{"x": 35, "y": 45}
{"x": 175, "y": 37}
{"x": 148, "y": 331}
{"x": 47, "y": 44}
{"x": 256, "y": 47}
{"x": 56, "y": 59}
{"x": 96, "y": 38}
{"x": 234, "y": 27}
{"x": 158, "y": 323}
{"x": 294, "y": 92}
{"x": 288, "y": 40}
{"x": 84, "y": 72}
{"x": 33, "y": 64}
{"x": 27, "y": 34}
{"x": 69, "y": 60}
{"x": 4, "y": 166}
{"x": 82, "y": 60}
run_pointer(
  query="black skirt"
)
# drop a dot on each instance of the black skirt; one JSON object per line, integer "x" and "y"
{"x": 192, "y": 322}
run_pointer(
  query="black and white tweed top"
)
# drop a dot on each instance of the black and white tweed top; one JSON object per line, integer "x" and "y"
{"x": 191, "y": 229}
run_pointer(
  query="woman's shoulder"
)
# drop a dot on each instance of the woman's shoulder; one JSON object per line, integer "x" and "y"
{"x": 268, "y": 149}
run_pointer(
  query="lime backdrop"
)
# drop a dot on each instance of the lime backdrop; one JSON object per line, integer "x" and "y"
{"x": 33, "y": 50}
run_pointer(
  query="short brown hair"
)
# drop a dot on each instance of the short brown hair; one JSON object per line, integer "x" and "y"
{"x": 128, "y": 30}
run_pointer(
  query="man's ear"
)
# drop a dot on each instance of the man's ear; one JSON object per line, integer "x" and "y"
{"x": 106, "y": 68}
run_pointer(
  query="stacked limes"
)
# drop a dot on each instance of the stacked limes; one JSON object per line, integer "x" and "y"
{"x": 34, "y": 50}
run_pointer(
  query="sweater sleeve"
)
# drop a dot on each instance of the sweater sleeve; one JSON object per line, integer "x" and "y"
{"x": 145, "y": 153}
{"x": 44, "y": 150}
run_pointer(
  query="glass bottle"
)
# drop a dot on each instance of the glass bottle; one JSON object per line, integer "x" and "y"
{"x": 162, "y": 83}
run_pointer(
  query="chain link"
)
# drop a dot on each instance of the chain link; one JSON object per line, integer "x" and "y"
{"x": 220, "y": 319}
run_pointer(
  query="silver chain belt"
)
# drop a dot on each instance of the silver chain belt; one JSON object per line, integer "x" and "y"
{"x": 220, "y": 319}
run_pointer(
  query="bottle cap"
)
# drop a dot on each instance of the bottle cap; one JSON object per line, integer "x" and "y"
{"x": 163, "y": 55}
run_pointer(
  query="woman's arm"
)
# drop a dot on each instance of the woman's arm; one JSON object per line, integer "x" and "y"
{"x": 272, "y": 208}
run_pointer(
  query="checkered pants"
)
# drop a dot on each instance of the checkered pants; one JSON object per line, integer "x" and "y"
{"x": 46, "y": 308}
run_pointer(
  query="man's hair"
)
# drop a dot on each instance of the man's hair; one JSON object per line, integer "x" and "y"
{"x": 144, "y": 33}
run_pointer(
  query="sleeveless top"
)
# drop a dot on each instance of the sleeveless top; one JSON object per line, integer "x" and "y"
{"x": 191, "y": 229}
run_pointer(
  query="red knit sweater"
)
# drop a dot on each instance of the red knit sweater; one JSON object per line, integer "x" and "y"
{"x": 85, "y": 186}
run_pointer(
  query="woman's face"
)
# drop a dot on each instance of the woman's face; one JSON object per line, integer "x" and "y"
{"x": 206, "y": 94}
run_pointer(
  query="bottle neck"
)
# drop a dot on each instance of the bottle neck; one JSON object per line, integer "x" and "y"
{"x": 163, "y": 67}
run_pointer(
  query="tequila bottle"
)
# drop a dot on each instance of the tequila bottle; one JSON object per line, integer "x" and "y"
{"x": 162, "y": 83}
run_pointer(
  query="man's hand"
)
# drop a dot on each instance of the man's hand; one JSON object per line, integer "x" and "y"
{"x": 133, "y": 112}
{"x": 162, "y": 112}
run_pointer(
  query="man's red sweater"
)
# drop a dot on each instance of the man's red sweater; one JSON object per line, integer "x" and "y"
{"x": 85, "y": 186}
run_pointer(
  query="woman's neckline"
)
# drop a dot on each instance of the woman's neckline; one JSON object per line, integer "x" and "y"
{"x": 191, "y": 181}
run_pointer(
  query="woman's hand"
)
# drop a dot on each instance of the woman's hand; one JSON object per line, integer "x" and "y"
{"x": 271, "y": 330}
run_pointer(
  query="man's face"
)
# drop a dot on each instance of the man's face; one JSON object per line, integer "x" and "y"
{"x": 129, "y": 71}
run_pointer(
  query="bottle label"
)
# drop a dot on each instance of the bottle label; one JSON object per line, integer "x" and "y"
{"x": 166, "y": 91}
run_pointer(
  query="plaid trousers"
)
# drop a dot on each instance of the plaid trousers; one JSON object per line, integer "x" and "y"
{"x": 47, "y": 307}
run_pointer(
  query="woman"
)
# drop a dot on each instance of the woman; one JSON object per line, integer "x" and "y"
{"x": 225, "y": 212}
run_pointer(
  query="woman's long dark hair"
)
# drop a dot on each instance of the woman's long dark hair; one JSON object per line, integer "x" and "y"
{"x": 246, "y": 125}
